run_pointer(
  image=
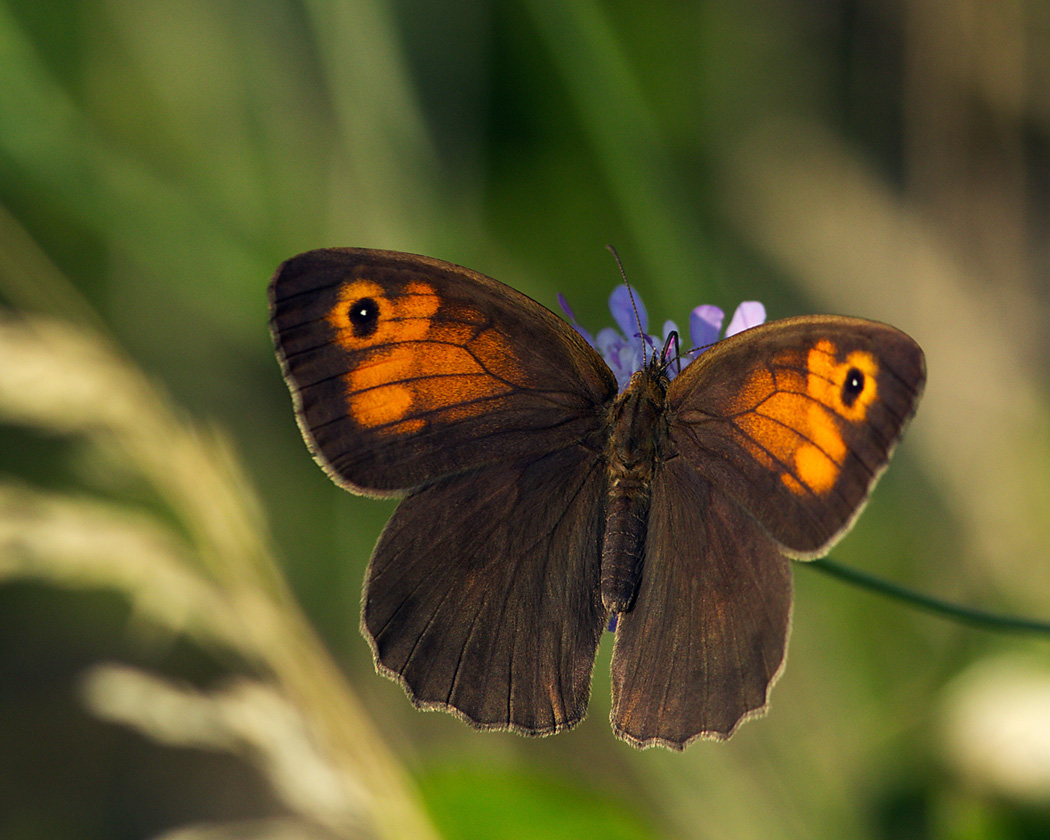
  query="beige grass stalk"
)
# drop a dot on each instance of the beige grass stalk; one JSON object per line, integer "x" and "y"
{"x": 215, "y": 580}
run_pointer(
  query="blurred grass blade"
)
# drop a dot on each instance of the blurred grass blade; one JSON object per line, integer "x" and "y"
{"x": 246, "y": 718}
{"x": 217, "y": 579}
{"x": 624, "y": 134}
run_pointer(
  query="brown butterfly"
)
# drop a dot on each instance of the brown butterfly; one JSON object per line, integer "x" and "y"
{"x": 539, "y": 500}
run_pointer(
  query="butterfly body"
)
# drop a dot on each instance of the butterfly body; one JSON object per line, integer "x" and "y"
{"x": 538, "y": 500}
{"x": 637, "y": 434}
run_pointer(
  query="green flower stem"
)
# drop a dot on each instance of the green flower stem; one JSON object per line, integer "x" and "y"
{"x": 957, "y": 612}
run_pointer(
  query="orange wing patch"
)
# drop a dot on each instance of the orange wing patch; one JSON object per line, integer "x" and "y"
{"x": 413, "y": 367}
{"x": 791, "y": 413}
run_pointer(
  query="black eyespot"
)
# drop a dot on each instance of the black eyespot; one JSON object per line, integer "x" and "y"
{"x": 852, "y": 387}
{"x": 364, "y": 317}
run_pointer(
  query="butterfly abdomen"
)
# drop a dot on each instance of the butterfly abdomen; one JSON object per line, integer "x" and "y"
{"x": 638, "y": 425}
{"x": 623, "y": 546}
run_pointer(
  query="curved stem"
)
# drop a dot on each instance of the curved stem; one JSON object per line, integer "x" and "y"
{"x": 967, "y": 615}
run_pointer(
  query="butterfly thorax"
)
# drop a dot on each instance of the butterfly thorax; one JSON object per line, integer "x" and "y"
{"x": 637, "y": 431}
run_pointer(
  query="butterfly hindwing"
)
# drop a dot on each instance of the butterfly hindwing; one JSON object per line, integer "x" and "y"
{"x": 705, "y": 639}
{"x": 482, "y": 593}
{"x": 796, "y": 419}
{"x": 406, "y": 368}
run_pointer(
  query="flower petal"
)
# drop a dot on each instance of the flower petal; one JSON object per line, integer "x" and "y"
{"x": 619, "y": 355}
{"x": 622, "y": 305}
{"x": 705, "y": 322}
{"x": 749, "y": 314}
{"x": 608, "y": 340}
{"x": 572, "y": 320}
{"x": 564, "y": 304}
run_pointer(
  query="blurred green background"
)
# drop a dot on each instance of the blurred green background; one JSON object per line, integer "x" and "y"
{"x": 179, "y": 582}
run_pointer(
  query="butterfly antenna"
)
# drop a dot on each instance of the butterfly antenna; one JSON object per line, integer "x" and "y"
{"x": 630, "y": 293}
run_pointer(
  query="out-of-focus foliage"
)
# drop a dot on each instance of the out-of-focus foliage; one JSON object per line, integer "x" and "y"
{"x": 179, "y": 583}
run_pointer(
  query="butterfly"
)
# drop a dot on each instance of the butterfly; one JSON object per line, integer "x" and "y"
{"x": 539, "y": 500}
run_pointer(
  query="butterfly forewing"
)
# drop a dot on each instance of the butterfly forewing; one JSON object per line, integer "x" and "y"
{"x": 799, "y": 430}
{"x": 406, "y": 369}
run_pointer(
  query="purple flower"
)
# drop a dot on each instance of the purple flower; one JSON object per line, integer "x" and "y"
{"x": 623, "y": 349}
